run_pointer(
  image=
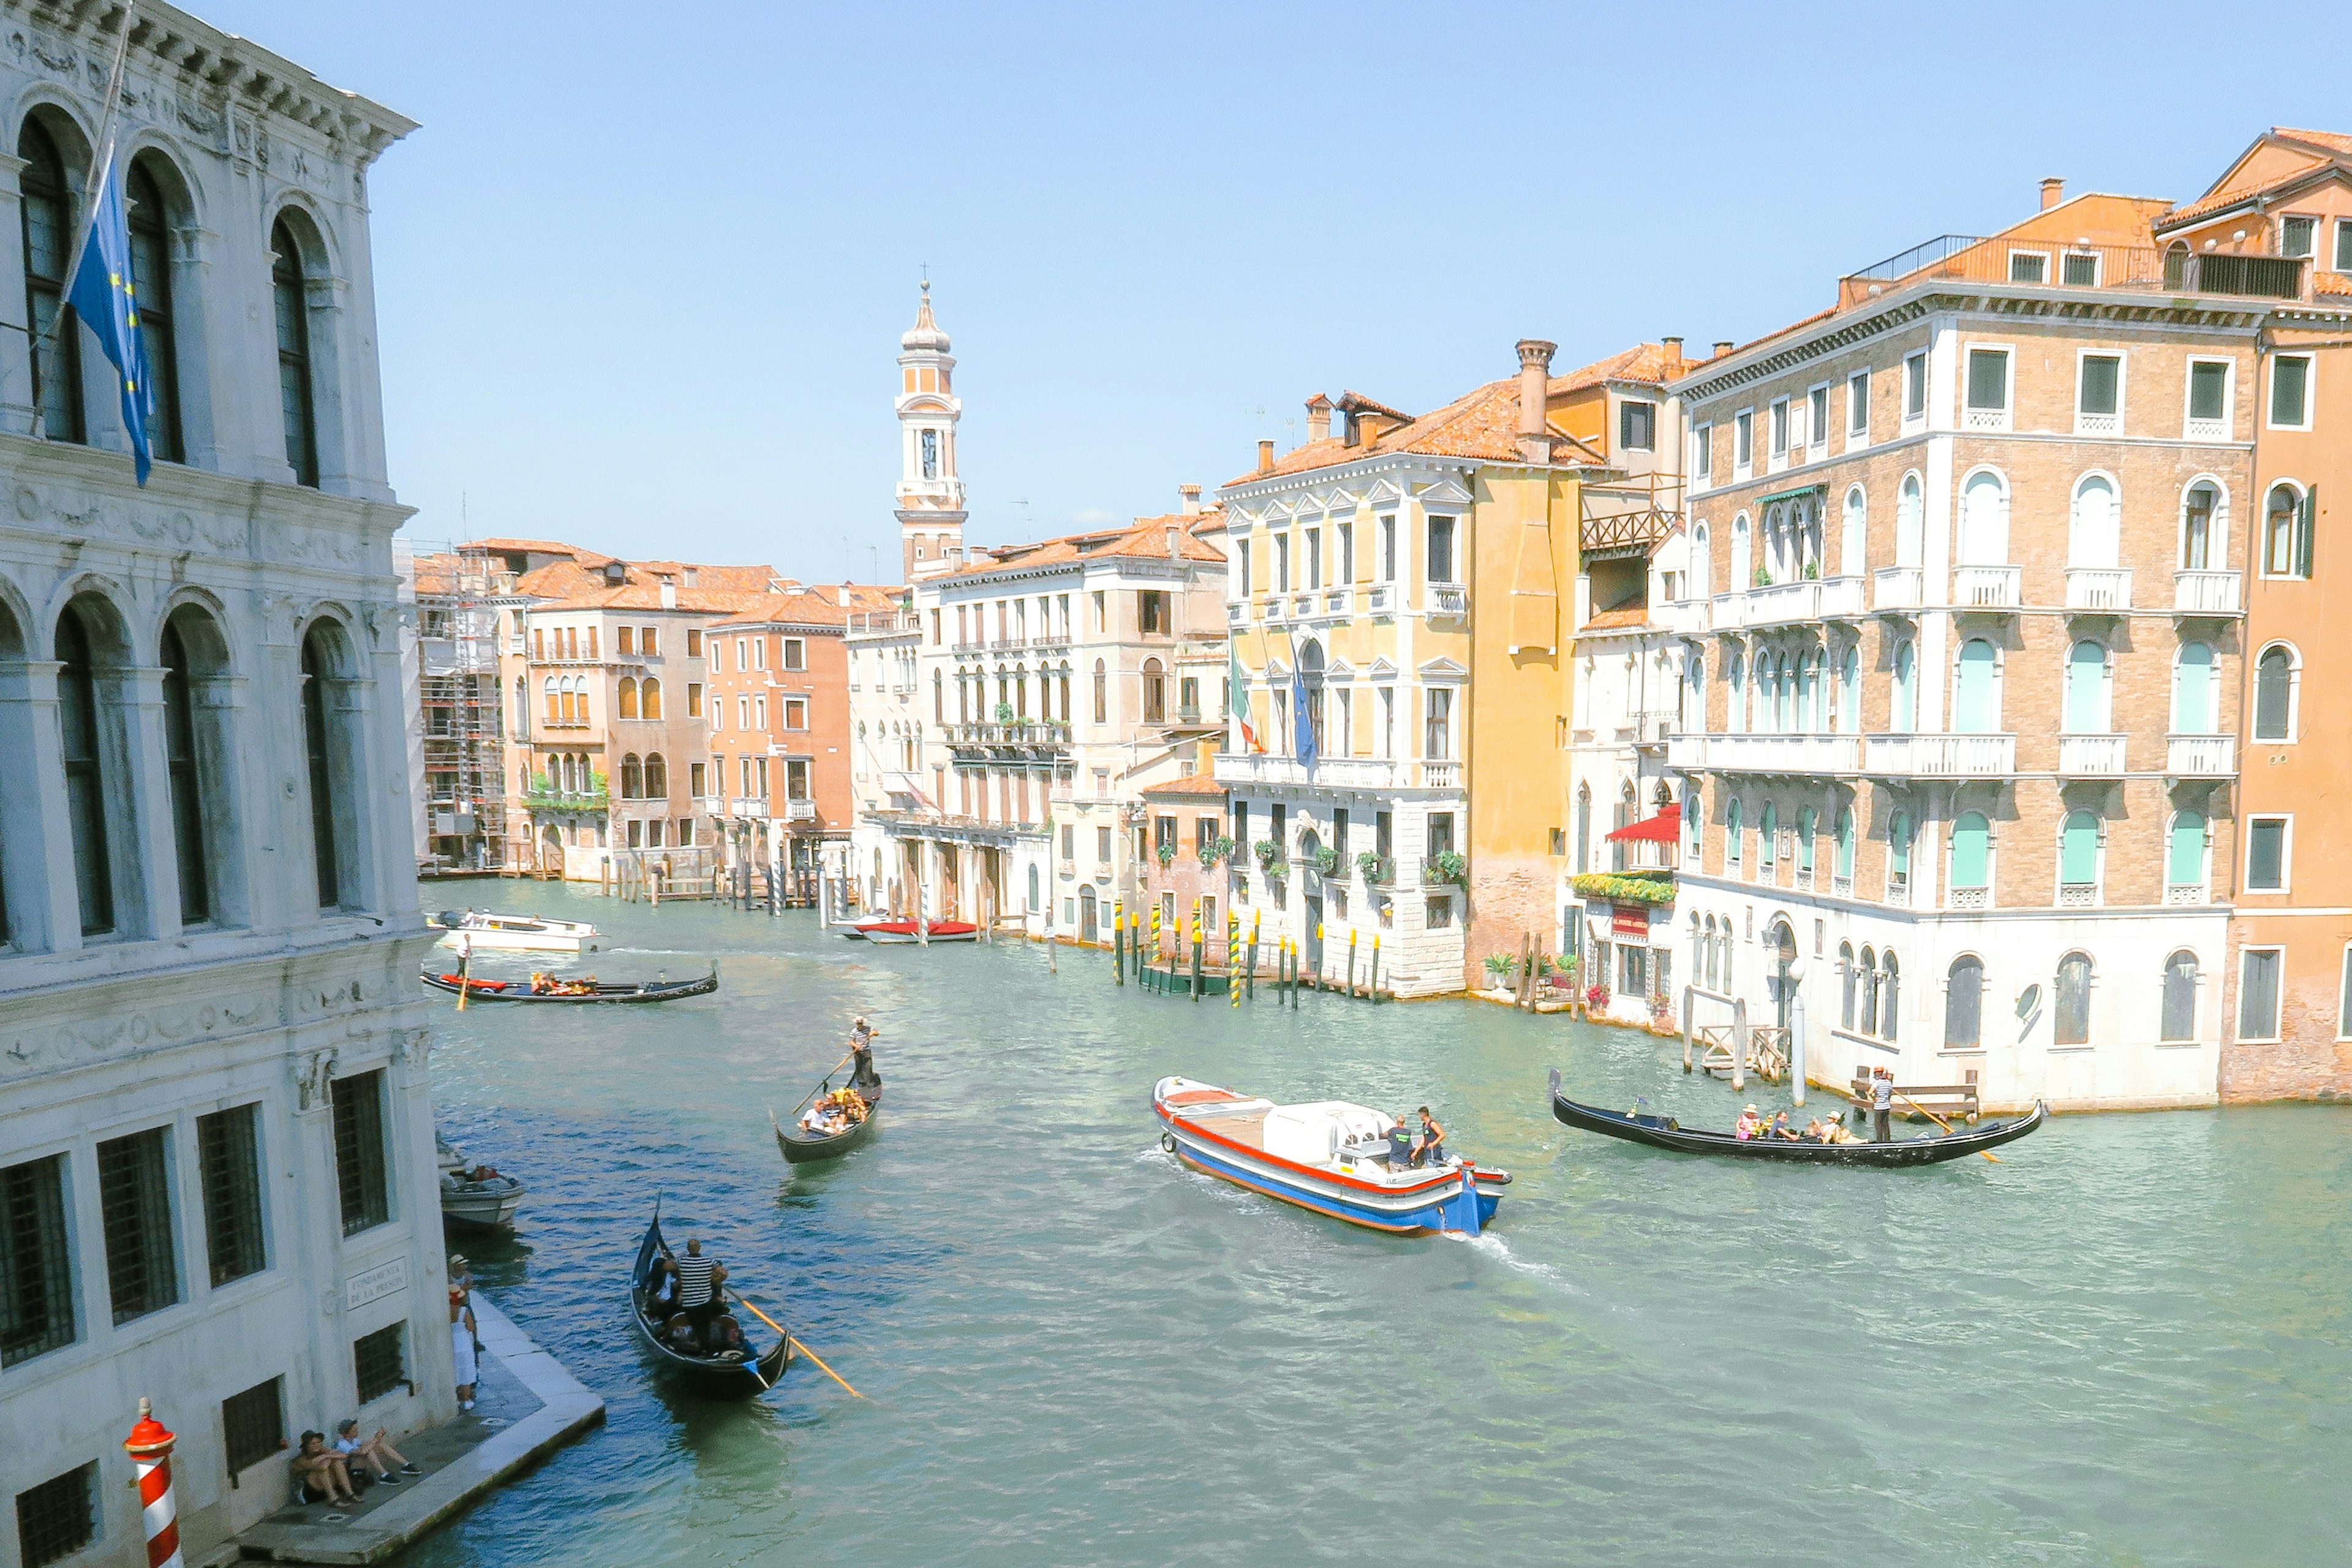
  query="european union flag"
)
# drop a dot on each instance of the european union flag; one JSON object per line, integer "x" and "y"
{"x": 101, "y": 296}
{"x": 1302, "y": 722}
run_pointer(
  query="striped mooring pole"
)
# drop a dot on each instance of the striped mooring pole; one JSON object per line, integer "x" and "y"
{"x": 149, "y": 1448}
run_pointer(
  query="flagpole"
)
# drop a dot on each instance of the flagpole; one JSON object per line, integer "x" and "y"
{"x": 102, "y": 157}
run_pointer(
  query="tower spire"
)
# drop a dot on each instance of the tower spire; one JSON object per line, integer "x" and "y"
{"x": 931, "y": 497}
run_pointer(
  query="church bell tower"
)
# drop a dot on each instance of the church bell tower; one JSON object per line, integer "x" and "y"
{"x": 930, "y": 496}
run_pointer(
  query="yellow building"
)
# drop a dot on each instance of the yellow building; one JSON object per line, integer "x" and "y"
{"x": 1400, "y": 590}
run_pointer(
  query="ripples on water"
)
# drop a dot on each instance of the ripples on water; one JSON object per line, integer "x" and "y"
{"x": 2125, "y": 1344}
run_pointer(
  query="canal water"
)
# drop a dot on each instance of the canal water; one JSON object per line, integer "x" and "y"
{"x": 2125, "y": 1343}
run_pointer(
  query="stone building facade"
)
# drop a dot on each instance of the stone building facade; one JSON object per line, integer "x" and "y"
{"x": 217, "y": 1185}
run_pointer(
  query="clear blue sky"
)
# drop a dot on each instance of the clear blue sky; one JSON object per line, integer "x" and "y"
{"x": 642, "y": 273}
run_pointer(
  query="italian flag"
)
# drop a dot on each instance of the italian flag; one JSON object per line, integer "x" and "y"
{"x": 1237, "y": 697}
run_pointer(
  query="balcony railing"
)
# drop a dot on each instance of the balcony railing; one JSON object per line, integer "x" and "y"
{"x": 1441, "y": 775}
{"x": 800, "y": 811}
{"x": 1985, "y": 588}
{"x": 1448, "y": 599}
{"x": 2205, "y": 592}
{"x": 2054, "y": 263}
{"x": 1336, "y": 773}
{"x": 1236, "y": 612}
{"x": 1688, "y": 617}
{"x": 2091, "y": 756}
{"x": 1940, "y": 756}
{"x": 1811, "y": 599}
{"x": 2200, "y": 756}
{"x": 1728, "y": 612}
{"x": 2098, "y": 588}
{"x": 1380, "y": 599}
{"x": 1897, "y": 588}
{"x": 1765, "y": 753}
{"x": 567, "y": 800}
{"x": 1032, "y": 732}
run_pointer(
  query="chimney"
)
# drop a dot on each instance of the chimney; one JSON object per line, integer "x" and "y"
{"x": 1189, "y": 502}
{"x": 1368, "y": 429}
{"x": 1722, "y": 347}
{"x": 668, "y": 592}
{"x": 1535, "y": 378}
{"x": 1266, "y": 456}
{"x": 1674, "y": 347}
{"x": 1318, "y": 418}
{"x": 1174, "y": 552}
{"x": 2053, "y": 190}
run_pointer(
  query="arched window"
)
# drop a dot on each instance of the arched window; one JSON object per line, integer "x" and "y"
{"x": 627, "y": 700}
{"x": 1849, "y": 691}
{"x": 1971, "y": 850}
{"x": 2086, "y": 689}
{"x": 1905, "y": 716}
{"x": 2200, "y": 530}
{"x": 2192, "y": 690}
{"x": 2072, "y": 1012}
{"x": 552, "y": 697}
{"x": 1735, "y": 678}
{"x": 1890, "y": 994}
{"x": 291, "y": 305}
{"x": 1701, "y": 564}
{"x": 648, "y": 698}
{"x": 1984, "y": 522}
{"x": 1021, "y": 691}
{"x": 1849, "y": 983}
{"x": 1741, "y": 571}
{"x": 632, "y": 778}
{"x": 2078, "y": 850}
{"x": 190, "y": 753}
{"x": 1694, "y": 819}
{"x": 1910, "y": 523}
{"x": 1732, "y": 831}
{"x": 1768, "y": 834}
{"x": 1807, "y": 820}
{"x": 48, "y": 206}
{"x": 1155, "y": 692}
{"x": 1898, "y": 855}
{"x": 150, "y": 279}
{"x": 1102, "y": 694}
{"x": 1065, "y": 681}
{"x": 2275, "y": 693}
{"x": 1784, "y": 696}
{"x": 1845, "y": 842}
{"x": 2180, "y": 1020}
{"x": 2184, "y": 855}
{"x": 2095, "y": 537}
{"x": 1809, "y": 693}
{"x": 1975, "y": 705}
{"x": 1869, "y": 992}
{"x": 1964, "y": 1003}
{"x": 83, "y": 726}
{"x": 332, "y": 832}
{"x": 656, "y": 778}
{"x": 2285, "y": 547}
{"x": 1851, "y": 543}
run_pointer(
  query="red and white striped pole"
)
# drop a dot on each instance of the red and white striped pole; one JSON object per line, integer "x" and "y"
{"x": 149, "y": 1448}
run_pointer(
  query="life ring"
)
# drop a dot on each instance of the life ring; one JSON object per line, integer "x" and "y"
{"x": 1168, "y": 1143}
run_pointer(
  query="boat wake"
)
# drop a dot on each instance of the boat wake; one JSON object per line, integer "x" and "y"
{"x": 1494, "y": 1247}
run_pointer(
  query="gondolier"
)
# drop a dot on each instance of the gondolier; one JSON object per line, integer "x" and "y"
{"x": 861, "y": 1048}
{"x": 699, "y": 1278}
{"x": 1882, "y": 1105}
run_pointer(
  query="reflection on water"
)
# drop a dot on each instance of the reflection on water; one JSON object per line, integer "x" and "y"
{"x": 2126, "y": 1343}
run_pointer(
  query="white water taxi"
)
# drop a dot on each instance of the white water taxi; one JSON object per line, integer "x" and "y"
{"x": 484, "y": 932}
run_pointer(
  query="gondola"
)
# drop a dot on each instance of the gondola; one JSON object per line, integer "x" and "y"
{"x": 520, "y": 991}
{"x": 1663, "y": 1132}
{"x": 718, "y": 1379}
{"x": 802, "y": 1147}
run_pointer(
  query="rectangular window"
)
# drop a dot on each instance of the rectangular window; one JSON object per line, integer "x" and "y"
{"x": 1242, "y": 564}
{"x": 697, "y": 776}
{"x": 1781, "y": 427}
{"x": 1437, "y": 740}
{"x": 1346, "y": 553}
{"x": 760, "y": 711}
{"x": 1743, "y": 440}
{"x": 1637, "y": 426}
{"x": 1915, "y": 387}
{"x": 694, "y": 637}
{"x": 1241, "y": 829}
{"x": 1388, "y": 550}
{"x": 1441, "y": 550}
{"x": 2266, "y": 854}
{"x": 539, "y": 645}
{"x": 694, "y": 699}
{"x": 1703, "y": 454}
{"x": 2028, "y": 266}
{"x": 1817, "y": 415}
{"x": 2099, "y": 395}
{"x": 743, "y": 655}
{"x": 1857, "y": 404}
{"x": 796, "y": 779}
{"x": 759, "y": 653}
{"x": 134, "y": 1190}
{"x": 1988, "y": 384}
{"x": 2209, "y": 393}
{"x": 2290, "y": 392}
{"x": 650, "y": 642}
{"x": 795, "y": 653}
{"x": 796, "y": 713}
{"x": 36, "y": 1296}
{"x": 1440, "y": 833}
{"x": 379, "y": 1362}
{"x": 1437, "y": 913}
{"x": 1151, "y": 612}
{"x": 1204, "y": 832}
{"x": 1315, "y": 558}
{"x": 1384, "y": 833}
{"x": 1099, "y": 609}
{"x": 362, "y": 1181}
{"x": 2258, "y": 993}
{"x": 2298, "y": 236}
{"x": 58, "y": 1518}
{"x": 2079, "y": 269}
{"x": 229, "y": 1156}
{"x": 1282, "y": 563}
{"x": 1102, "y": 845}
{"x": 254, "y": 1424}
{"x": 625, "y": 641}
{"x": 2344, "y": 245}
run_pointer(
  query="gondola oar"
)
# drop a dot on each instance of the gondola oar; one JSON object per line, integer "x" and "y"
{"x": 1939, "y": 1121}
{"x": 800, "y": 1347}
{"x": 812, "y": 1094}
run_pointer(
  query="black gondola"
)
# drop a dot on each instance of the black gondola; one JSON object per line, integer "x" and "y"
{"x": 717, "y": 1378}
{"x": 802, "y": 1147}
{"x": 519, "y": 990}
{"x": 1663, "y": 1132}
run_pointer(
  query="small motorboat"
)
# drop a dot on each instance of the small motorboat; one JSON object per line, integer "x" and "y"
{"x": 730, "y": 1374}
{"x": 1666, "y": 1132}
{"x": 473, "y": 1196}
{"x": 589, "y": 990}
{"x": 1325, "y": 1155}
{"x": 898, "y": 933}
{"x": 483, "y": 932}
{"x": 802, "y": 1145}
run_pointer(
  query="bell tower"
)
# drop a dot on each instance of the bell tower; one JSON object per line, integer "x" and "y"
{"x": 930, "y": 496}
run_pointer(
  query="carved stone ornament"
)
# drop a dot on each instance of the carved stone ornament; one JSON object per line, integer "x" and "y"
{"x": 314, "y": 1076}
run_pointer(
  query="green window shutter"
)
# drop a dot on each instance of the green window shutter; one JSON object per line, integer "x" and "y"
{"x": 2078, "y": 860}
{"x": 2185, "y": 866}
{"x": 2306, "y": 526}
{"x": 1971, "y": 850}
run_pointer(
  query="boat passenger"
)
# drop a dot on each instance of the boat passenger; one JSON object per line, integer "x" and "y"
{"x": 661, "y": 1287}
{"x": 1429, "y": 1149}
{"x": 1399, "y": 1145}
{"x": 1749, "y": 1123}
{"x": 1833, "y": 1131}
{"x": 726, "y": 1334}
{"x": 1780, "y": 1127}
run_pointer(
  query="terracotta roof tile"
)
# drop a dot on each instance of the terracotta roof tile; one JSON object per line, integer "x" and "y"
{"x": 1146, "y": 537}
{"x": 1609, "y": 620}
{"x": 1194, "y": 784}
{"x": 812, "y": 606}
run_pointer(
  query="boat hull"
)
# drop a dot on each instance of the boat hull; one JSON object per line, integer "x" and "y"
{"x": 1422, "y": 1220}
{"x": 1653, "y": 1133}
{"x": 800, "y": 1148}
{"x": 482, "y": 1211}
{"x": 512, "y": 991}
{"x": 712, "y": 1379}
{"x": 900, "y": 933}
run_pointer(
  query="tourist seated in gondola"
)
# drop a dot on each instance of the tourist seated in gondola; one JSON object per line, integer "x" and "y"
{"x": 661, "y": 1288}
{"x": 1780, "y": 1128}
{"x": 724, "y": 1336}
{"x": 1749, "y": 1124}
{"x": 1833, "y": 1131}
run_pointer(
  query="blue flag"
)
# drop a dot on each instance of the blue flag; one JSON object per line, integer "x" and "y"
{"x": 101, "y": 296}
{"x": 1302, "y": 723}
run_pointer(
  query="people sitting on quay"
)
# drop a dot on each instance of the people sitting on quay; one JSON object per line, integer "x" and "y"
{"x": 376, "y": 1451}
{"x": 1749, "y": 1124}
{"x": 321, "y": 1475}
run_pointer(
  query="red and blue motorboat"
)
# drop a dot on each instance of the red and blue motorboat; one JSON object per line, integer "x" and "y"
{"x": 1327, "y": 1155}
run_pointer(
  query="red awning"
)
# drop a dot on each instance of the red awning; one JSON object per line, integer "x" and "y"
{"x": 1667, "y": 827}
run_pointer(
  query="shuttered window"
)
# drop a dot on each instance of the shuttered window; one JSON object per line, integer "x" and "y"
{"x": 36, "y": 1296}
{"x": 360, "y": 1173}
{"x": 228, "y": 1156}
{"x": 134, "y": 1181}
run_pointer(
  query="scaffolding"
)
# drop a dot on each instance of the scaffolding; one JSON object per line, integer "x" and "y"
{"x": 460, "y": 721}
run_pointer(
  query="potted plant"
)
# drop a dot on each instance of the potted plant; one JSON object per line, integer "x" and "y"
{"x": 1812, "y": 571}
{"x": 1269, "y": 852}
{"x": 1167, "y": 853}
{"x": 1004, "y": 712}
{"x": 1563, "y": 972}
{"x": 1327, "y": 859}
{"x": 1218, "y": 848}
{"x": 1762, "y": 578}
{"x": 1498, "y": 968}
{"x": 1446, "y": 866}
{"x": 1596, "y": 998}
{"x": 1373, "y": 864}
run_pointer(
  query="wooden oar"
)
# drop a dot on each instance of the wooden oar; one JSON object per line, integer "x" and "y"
{"x": 812, "y": 1095}
{"x": 465, "y": 973}
{"x": 800, "y": 1347}
{"x": 1939, "y": 1121}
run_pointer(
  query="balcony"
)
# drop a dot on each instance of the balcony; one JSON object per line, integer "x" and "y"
{"x": 1687, "y": 617}
{"x": 2054, "y": 264}
{"x": 1021, "y": 736}
{"x": 1897, "y": 588}
{"x": 1764, "y": 754}
{"x": 2098, "y": 588}
{"x": 1813, "y": 599}
{"x": 1302, "y": 607}
{"x": 553, "y": 800}
{"x": 1237, "y": 612}
{"x": 800, "y": 811}
{"x": 2204, "y": 593}
{"x": 1339, "y": 603}
{"x": 1380, "y": 599}
{"x": 1448, "y": 599}
{"x": 1276, "y": 609}
{"x": 1441, "y": 775}
{"x": 1330, "y": 772}
{"x": 747, "y": 806}
{"x": 1940, "y": 756}
{"x": 1007, "y": 645}
{"x": 2200, "y": 756}
{"x": 1985, "y": 588}
{"x": 2090, "y": 757}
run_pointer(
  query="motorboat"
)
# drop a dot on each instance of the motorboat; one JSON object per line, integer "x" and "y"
{"x": 1330, "y": 1157}
{"x": 474, "y": 1196}
{"x": 900, "y": 933}
{"x": 482, "y": 930}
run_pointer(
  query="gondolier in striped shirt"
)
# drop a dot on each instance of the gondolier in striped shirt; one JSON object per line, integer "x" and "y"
{"x": 698, "y": 1279}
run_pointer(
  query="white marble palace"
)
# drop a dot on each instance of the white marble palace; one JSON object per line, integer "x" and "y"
{"x": 217, "y": 1187}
